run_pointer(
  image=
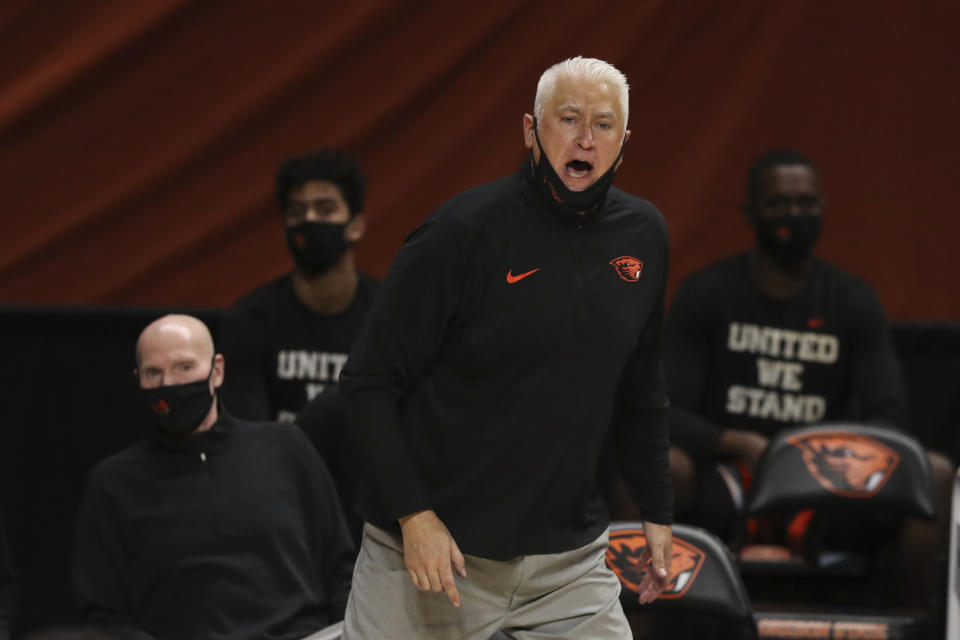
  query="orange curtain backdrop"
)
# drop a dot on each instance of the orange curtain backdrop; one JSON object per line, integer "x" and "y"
{"x": 138, "y": 139}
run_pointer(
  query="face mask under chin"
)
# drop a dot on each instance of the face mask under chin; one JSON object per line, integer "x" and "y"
{"x": 558, "y": 194}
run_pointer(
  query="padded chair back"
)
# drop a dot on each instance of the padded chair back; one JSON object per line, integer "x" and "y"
{"x": 848, "y": 465}
{"x": 705, "y": 580}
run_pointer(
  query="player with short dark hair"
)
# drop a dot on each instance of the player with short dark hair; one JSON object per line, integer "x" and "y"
{"x": 775, "y": 338}
{"x": 288, "y": 339}
{"x": 324, "y": 164}
{"x": 773, "y": 158}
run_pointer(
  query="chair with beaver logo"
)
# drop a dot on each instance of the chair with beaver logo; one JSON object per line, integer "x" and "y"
{"x": 839, "y": 493}
{"x": 705, "y": 590}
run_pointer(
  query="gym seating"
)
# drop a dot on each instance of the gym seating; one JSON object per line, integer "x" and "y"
{"x": 705, "y": 582}
{"x": 833, "y": 469}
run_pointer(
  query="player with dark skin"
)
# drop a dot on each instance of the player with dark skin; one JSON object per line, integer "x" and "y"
{"x": 795, "y": 190}
{"x": 784, "y": 190}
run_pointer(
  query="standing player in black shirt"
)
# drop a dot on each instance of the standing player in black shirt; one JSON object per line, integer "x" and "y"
{"x": 288, "y": 339}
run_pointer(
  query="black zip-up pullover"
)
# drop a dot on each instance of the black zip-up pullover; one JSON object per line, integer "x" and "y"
{"x": 507, "y": 338}
{"x": 235, "y": 533}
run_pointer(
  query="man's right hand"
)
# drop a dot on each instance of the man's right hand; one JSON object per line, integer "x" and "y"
{"x": 746, "y": 446}
{"x": 430, "y": 554}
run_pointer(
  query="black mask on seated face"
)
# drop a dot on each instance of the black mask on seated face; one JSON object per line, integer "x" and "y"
{"x": 178, "y": 409}
{"x": 788, "y": 239}
{"x": 316, "y": 246}
{"x": 552, "y": 185}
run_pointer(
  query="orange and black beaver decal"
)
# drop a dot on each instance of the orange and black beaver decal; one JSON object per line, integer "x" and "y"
{"x": 848, "y": 464}
{"x": 628, "y": 268}
{"x": 624, "y": 559}
{"x": 160, "y": 407}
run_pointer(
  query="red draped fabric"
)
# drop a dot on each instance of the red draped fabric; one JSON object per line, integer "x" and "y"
{"x": 138, "y": 139}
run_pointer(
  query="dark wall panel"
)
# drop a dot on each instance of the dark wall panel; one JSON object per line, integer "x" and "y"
{"x": 138, "y": 139}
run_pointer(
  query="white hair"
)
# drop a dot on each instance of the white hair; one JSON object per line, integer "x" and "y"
{"x": 591, "y": 69}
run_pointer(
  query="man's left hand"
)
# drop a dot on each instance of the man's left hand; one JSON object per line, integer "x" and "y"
{"x": 657, "y": 557}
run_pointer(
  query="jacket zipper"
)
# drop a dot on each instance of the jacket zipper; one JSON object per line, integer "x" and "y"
{"x": 213, "y": 478}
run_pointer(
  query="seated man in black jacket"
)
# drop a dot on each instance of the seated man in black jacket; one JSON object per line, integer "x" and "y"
{"x": 288, "y": 339}
{"x": 209, "y": 527}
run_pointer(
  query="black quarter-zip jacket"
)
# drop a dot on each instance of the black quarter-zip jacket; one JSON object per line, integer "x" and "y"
{"x": 235, "y": 533}
{"x": 507, "y": 339}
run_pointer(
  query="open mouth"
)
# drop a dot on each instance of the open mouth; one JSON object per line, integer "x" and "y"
{"x": 578, "y": 168}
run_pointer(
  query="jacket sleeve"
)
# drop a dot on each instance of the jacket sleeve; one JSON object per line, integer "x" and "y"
{"x": 323, "y": 422}
{"x": 686, "y": 350}
{"x": 402, "y": 334}
{"x": 640, "y": 429}
{"x": 877, "y": 383}
{"x": 334, "y": 553}
{"x": 244, "y": 388}
{"x": 98, "y": 566}
{"x": 8, "y": 586}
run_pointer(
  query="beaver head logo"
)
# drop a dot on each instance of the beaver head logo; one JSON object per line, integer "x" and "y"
{"x": 624, "y": 559}
{"x": 160, "y": 407}
{"x": 628, "y": 268}
{"x": 848, "y": 464}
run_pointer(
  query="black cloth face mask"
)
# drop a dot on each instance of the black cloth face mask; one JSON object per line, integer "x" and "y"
{"x": 316, "y": 246}
{"x": 552, "y": 185}
{"x": 788, "y": 239}
{"x": 178, "y": 409}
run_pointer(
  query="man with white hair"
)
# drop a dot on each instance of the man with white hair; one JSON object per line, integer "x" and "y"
{"x": 209, "y": 527}
{"x": 519, "y": 324}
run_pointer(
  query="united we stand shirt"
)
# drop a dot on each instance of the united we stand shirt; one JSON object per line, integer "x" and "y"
{"x": 738, "y": 359}
{"x": 280, "y": 354}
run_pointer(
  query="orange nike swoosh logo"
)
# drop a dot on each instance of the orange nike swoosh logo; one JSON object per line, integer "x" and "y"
{"x": 520, "y": 276}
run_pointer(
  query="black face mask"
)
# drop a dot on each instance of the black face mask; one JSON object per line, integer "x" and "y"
{"x": 788, "y": 239}
{"x": 316, "y": 246}
{"x": 573, "y": 201}
{"x": 177, "y": 410}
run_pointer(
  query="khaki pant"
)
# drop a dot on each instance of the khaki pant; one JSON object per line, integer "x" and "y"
{"x": 562, "y": 596}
